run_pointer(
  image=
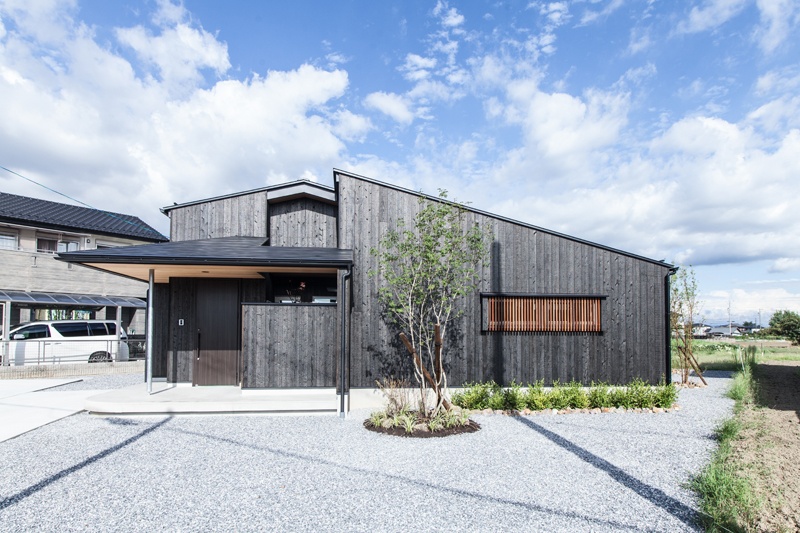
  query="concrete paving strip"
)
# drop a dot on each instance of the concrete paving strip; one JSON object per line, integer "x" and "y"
{"x": 13, "y": 387}
{"x": 26, "y": 404}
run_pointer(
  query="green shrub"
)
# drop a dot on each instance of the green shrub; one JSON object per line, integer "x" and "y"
{"x": 600, "y": 396}
{"x": 665, "y": 395}
{"x": 497, "y": 400}
{"x": 559, "y": 396}
{"x": 476, "y": 395}
{"x": 536, "y": 399}
{"x": 641, "y": 394}
{"x": 513, "y": 398}
{"x": 576, "y": 397}
{"x": 620, "y": 397}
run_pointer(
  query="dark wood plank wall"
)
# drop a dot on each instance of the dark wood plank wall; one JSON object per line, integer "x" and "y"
{"x": 302, "y": 222}
{"x": 522, "y": 260}
{"x": 288, "y": 346}
{"x": 161, "y": 304}
{"x": 182, "y": 339}
{"x": 239, "y": 216}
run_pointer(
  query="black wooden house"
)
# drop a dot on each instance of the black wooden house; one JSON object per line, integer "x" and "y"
{"x": 269, "y": 288}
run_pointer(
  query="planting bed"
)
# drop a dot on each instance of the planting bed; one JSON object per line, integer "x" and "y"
{"x": 424, "y": 433}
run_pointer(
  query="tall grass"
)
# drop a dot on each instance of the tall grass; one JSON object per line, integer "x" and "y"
{"x": 727, "y": 500}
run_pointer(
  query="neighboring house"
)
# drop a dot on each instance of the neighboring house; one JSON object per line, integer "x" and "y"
{"x": 34, "y": 285}
{"x": 270, "y": 288}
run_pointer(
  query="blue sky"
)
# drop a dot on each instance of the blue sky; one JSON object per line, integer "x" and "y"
{"x": 668, "y": 129}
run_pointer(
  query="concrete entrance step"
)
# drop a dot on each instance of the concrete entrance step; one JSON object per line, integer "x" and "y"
{"x": 169, "y": 398}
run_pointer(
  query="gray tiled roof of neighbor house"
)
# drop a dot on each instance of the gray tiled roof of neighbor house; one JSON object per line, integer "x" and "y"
{"x": 23, "y": 210}
{"x": 220, "y": 251}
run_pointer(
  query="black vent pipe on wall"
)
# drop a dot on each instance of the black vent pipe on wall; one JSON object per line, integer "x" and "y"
{"x": 668, "y": 319}
{"x": 343, "y": 340}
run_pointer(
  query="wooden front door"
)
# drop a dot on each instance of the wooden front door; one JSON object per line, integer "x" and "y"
{"x": 217, "y": 355}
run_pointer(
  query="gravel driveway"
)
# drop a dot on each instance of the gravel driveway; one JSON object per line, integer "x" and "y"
{"x": 580, "y": 472}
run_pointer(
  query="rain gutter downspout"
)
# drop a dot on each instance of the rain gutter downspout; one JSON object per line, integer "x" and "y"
{"x": 343, "y": 345}
{"x": 667, "y": 316}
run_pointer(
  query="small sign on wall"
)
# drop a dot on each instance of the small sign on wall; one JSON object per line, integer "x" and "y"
{"x": 180, "y": 321}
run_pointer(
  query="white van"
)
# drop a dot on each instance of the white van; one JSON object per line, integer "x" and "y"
{"x": 66, "y": 341}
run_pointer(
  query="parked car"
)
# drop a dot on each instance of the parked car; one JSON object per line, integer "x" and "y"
{"x": 66, "y": 341}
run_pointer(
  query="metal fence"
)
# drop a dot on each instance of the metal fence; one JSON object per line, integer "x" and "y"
{"x": 57, "y": 351}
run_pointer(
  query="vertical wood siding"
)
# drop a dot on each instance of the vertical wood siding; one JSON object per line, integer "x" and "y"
{"x": 161, "y": 306}
{"x": 522, "y": 260}
{"x": 288, "y": 346}
{"x": 302, "y": 222}
{"x": 240, "y": 216}
{"x": 183, "y": 339}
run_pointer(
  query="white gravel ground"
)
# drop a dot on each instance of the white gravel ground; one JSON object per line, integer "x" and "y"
{"x": 579, "y": 472}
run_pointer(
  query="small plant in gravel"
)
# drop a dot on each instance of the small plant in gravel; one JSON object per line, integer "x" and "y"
{"x": 408, "y": 421}
{"x": 376, "y": 418}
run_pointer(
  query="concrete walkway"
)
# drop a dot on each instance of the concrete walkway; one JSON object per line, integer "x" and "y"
{"x": 26, "y": 404}
{"x": 169, "y": 398}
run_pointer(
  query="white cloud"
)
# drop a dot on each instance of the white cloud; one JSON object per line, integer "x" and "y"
{"x": 777, "y": 19}
{"x": 449, "y": 16}
{"x": 417, "y": 68}
{"x": 786, "y": 264}
{"x": 594, "y": 16}
{"x": 84, "y": 122}
{"x": 713, "y": 14}
{"x": 391, "y": 104}
{"x": 178, "y": 53}
{"x": 351, "y": 127}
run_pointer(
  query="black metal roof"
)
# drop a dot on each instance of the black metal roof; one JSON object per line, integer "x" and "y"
{"x": 244, "y": 251}
{"x": 661, "y": 263}
{"x": 23, "y": 210}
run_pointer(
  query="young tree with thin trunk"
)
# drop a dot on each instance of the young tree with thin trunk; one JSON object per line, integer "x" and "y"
{"x": 424, "y": 270}
{"x": 684, "y": 308}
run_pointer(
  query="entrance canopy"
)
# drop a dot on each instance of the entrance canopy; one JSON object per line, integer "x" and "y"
{"x": 225, "y": 257}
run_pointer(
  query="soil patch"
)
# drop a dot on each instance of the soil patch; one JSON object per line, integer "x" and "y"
{"x": 472, "y": 427}
{"x": 769, "y": 447}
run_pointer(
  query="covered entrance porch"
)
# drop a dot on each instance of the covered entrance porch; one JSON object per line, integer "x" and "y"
{"x": 235, "y": 311}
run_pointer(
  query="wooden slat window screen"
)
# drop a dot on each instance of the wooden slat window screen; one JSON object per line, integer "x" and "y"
{"x": 542, "y": 314}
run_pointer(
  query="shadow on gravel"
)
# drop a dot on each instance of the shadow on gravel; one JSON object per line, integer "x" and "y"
{"x": 33, "y": 489}
{"x": 419, "y": 483}
{"x": 659, "y": 498}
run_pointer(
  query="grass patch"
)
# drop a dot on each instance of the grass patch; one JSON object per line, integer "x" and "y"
{"x": 727, "y": 500}
{"x": 725, "y": 355}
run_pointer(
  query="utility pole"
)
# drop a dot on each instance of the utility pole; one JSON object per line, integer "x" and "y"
{"x": 730, "y": 325}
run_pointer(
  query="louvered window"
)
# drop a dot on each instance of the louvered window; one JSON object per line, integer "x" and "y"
{"x": 523, "y": 313}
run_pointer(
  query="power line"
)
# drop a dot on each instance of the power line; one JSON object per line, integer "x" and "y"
{"x": 112, "y": 215}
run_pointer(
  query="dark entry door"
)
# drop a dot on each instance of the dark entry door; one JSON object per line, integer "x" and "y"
{"x": 217, "y": 357}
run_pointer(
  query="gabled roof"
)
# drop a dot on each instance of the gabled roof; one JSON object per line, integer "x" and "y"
{"x": 55, "y": 216}
{"x": 337, "y": 172}
{"x": 275, "y": 193}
